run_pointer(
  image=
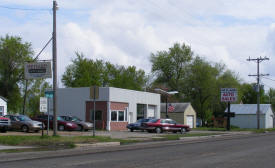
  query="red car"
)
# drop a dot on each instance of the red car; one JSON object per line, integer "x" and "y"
{"x": 161, "y": 125}
{"x": 62, "y": 125}
{"x": 4, "y": 124}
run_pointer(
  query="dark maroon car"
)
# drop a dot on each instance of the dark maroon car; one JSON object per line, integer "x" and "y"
{"x": 61, "y": 123}
{"x": 161, "y": 125}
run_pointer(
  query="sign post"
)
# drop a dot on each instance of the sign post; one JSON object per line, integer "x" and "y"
{"x": 49, "y": 95}
{"x": 43, "y": 108}
{"x": 229, "y": 95}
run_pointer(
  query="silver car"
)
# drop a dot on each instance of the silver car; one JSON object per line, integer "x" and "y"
{"x": 82, "y": 125}
{"x": 24, "y": 123}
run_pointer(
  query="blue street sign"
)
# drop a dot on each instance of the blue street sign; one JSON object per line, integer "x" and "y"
{"x": 49, "y": 94}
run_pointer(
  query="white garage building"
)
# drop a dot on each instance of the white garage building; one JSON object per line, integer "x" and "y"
{"x": 245, "y": 115}
{"x": 115, "y": 107}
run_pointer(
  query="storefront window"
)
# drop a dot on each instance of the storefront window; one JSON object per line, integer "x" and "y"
{"x": 121, "y": 116}
{"x": 114, "y": 116}
{"x": 98, "y": 115}
{"x": 1, "y": 110}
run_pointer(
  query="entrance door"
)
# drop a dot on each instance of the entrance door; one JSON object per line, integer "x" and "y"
{"x": 190, "y": 121}
{"x": 151, "y": 111}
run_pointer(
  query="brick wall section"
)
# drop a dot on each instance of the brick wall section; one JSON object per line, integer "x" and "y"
{"x": 118, "y": 106}
{"x": 100, "y": 105}
{"x": 118, "y": 126}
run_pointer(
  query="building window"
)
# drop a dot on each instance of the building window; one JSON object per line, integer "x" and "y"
{"x": 98, "y": 115}
{"x": 114, "y": 116}
{"x": 141, "y": 110}
{"x": 118, "y": 116}
{"x": 1, "y": 110}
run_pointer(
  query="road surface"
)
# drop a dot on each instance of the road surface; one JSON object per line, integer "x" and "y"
{"x": 250, "y": 152}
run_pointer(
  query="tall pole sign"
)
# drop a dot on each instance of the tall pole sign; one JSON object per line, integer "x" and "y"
{"x": 229, "y": 95}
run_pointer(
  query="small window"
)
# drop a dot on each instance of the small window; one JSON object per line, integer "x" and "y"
{"x": 121, "y": 116}
{"x": 113, "y": 116}
{"x": 98, "y": 115}
{"x": 1, "y": 110}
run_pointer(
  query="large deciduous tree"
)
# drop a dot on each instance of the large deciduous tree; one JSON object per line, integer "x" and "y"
{"x": 84, "y": 72}
{"x": 13, "y": 54}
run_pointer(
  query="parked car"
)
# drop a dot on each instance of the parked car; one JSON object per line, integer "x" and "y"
{"x": 138, "y": 125}
{"x": 62, "y": 125}
{"x": 24, "y": 123}
{"x": 82, "y": 125}
{"x": 161, "y": 125}
{"x": 4, "y": 124}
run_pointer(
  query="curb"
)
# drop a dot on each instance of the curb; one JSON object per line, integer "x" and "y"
{"x": 100, "y": 144}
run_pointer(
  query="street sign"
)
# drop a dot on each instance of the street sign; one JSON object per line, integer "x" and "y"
{"x": 229, "y": 94}
{"x": 94, "y": 92}
{"x": 231, "y": 114}
{"x": 43, "y": 104}
{"x": 49, "y": 93}
{"x": 36, "y": 70}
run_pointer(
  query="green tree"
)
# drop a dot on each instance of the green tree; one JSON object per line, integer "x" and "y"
{"x": 84, "y": 72}
{"x": 170, "y": 66}
{"x": 13, "y": 54}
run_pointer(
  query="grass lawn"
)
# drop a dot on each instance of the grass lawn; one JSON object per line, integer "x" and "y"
{"x": 55, "y": 142}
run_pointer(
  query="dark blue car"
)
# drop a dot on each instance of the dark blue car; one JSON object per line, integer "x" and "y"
{"x": 138, "y": 125}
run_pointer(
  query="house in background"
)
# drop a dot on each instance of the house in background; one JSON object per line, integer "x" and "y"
{"x": 3, "y": 106}
{"x": 182, "y": 113}
{"x": 115, "y": 107}
{"x": 246, "y": 115}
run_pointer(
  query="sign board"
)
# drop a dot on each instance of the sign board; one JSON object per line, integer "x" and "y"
{"x": 36, "y": 70}
{"x": 229, "y": 94}
{"x": 49, "y": 93}
{"x": 94, "y": 92}
{"x": 43, "y": 104}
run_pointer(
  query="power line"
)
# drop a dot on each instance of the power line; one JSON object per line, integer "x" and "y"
{"x": 268, "y": 78}
{"x": 25, "y": 9}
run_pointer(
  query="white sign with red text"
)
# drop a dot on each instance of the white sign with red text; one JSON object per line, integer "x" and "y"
{"x": 229, "y": 94}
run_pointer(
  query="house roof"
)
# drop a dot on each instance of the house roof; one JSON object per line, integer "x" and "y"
{"x": 178, "y": 107}
{"x": 3, "y": 98}
{"x": 249, "y": 108}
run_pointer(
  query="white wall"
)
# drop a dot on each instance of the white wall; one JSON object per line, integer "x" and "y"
{"x": 247, "y": 120}
{"x": 4, "y": 104}
{"x": 135, "y": 97}
{"x": 72, "y": 101}
{"x": 269, "y": 119}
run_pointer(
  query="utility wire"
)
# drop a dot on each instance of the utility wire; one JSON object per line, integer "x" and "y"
{"x": 25, "y": 9}
{"x": 268, "y": 78}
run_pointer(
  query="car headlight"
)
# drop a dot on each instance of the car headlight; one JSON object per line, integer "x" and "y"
{"x": 69, "y": 124}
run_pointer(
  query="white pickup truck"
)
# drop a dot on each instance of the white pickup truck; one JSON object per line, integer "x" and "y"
{"x": 4, "y": 124}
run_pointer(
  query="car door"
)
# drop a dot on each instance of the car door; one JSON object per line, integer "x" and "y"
{"x": 15, "y": 123}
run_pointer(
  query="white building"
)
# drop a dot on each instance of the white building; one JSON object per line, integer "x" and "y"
{"x": 115, "y": 107}
{"x": 245, "y": 115}
{"x": 3, "y": 106}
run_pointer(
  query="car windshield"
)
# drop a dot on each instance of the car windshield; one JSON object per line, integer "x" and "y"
{"x": 23, "y": 118}
{"x": 75, "y": 119}
{"x": 153, "y": 120}
{"x": 60, "y": 119}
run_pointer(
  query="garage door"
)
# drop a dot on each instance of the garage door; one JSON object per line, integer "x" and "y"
{"x": 151, "y": 111}
{"x": 190, "y": 121}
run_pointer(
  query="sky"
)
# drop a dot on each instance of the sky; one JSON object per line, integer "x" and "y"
{"x": 126, "y": 32}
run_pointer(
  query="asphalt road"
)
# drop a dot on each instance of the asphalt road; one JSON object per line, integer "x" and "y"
{"x": 250, "y": 152}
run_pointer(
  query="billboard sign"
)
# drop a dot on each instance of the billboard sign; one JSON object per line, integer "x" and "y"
{"x": 36, "y": 70}
{"x": 229, "y": 94}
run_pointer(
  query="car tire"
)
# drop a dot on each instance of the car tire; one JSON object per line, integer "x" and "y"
{"x": 175, "y": 132}
{"x": 25, "y": 128}
{"x": 3, "y": 130}
{"x": 36, "y": 131}
{"x": 61, "y": 127}
{"x": 182, "y": 130}
{"x": 158, "y": 130}
{"x": 132, "y": 130}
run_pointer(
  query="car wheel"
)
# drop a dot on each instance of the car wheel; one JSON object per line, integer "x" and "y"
{"x": 175, "y": 132}
{"x": 182, "y": 130}
{"x": 158, "y": 130}
{"x": 25, "y": 128}
{"x": 36, "y": 131}
{"x": 132, "y": 130}
{"x": 3, "y": 130}
{"x": 61, "y": 128}
{"x": 81, "y": 128}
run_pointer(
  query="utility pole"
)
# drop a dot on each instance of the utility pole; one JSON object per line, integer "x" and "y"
{"x": 54, "y": 70}
{"x": 258, "y": 61}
